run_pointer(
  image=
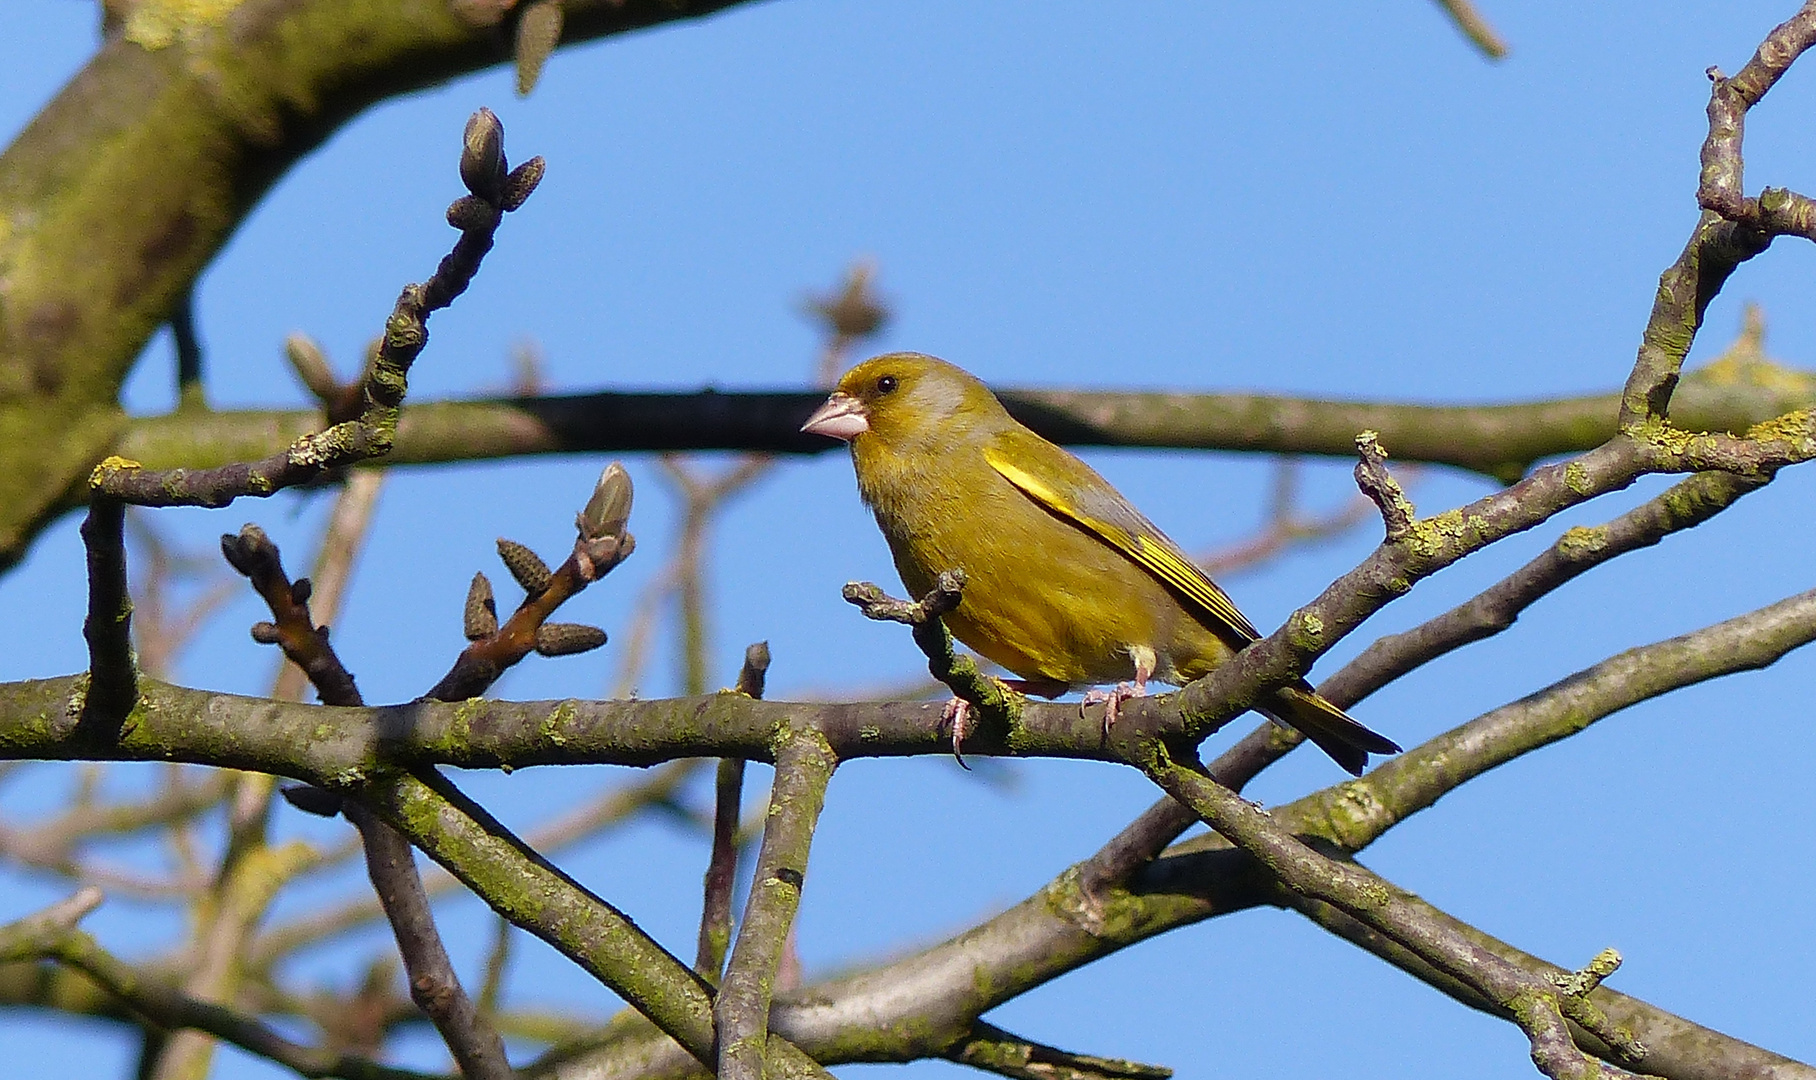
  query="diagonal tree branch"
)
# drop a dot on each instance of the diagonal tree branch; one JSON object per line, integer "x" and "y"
{"x": 994, "y": 1050}
{"x": 390, "y": 862}
{"x": 195, "y": 110}
{"x": 52, "y": 934}
{"x": 1475, "y": 28}
{"x": 804, "y": 766}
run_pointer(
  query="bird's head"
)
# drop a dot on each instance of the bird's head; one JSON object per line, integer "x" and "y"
{"x": 904, "y": 398}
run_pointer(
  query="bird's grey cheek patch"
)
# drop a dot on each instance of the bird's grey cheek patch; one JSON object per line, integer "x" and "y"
{"x": 938, "y": 399}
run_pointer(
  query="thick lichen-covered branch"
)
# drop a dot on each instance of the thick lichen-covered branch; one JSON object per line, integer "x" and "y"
{"x": 127, "y": 184}
{"x": 1067, "y": 926}
{"x": 1363, "y": 809}
{"x": 534, "y": 894}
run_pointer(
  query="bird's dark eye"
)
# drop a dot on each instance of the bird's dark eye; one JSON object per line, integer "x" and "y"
{"x": 886, "y": 385}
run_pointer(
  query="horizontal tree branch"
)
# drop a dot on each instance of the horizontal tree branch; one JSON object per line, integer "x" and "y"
{"x": 336, "y": 746}
{"x": 1068, "y": 924}
{"x": 1501, "y": 441}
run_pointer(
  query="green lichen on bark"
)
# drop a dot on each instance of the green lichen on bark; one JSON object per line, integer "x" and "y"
{"x": 1581, "y": 542}
{"x": 158, "y": 24}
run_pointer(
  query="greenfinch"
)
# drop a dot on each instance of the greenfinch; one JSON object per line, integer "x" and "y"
{"x": 1067, "y": 585}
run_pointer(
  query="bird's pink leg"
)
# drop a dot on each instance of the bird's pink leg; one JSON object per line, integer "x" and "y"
{"x": 957, "y": 712}
{"x": 1114, "y": 697}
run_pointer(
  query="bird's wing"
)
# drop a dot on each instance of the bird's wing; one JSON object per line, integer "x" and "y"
{"x": 1072, "y": 490}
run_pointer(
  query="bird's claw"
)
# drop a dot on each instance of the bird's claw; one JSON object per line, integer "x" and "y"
{"x": 1111, "y": 700}
{"x": 957, "y": 712}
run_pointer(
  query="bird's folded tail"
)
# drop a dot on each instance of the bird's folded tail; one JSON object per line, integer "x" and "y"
{"x": 1346, "y": 741}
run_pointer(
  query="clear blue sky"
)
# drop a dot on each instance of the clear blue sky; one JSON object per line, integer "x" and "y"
{"x": 1307, "y": 197}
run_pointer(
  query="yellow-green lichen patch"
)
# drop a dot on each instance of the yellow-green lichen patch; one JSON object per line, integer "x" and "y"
{"x": 1308, "y": 631}
{"x": 1354, "y": 814}
{"x": 558, "y": 718}
{"x": 159, "y": 24}
{"x": 109, "y": 465}
{"x": 1581, "y": 542}
{"x": 1795, "y": 428}
{"x": 1431, "y": 537}
{"x": 1576, "y": 478}
{"x": 1375, "y": 894}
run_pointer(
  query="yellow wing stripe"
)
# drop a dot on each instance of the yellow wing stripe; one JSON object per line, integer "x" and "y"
{"x": 1157, "y": 558}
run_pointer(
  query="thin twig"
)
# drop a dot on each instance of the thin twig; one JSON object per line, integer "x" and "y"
{"x": 992, "y": 1049}
{"x": 494, "y": 192}
{"x": 1285, "y": 527}
{"x": 170, "y": 1008}
{"x": 349, "y": 526}
{"x": 1732, "y": 230}
{"x": 189, "y": 352}
{"x": 498, "y": 960}
{"x": 112, "y": 670}
{"x": 433, "y": 986}
{"x": 391, "y": 865}
{"x": 722, "y": 865}
{"x": 1475, "y": 28}
{"x": 29, "y": 937}
{"x": 601, "y": 545}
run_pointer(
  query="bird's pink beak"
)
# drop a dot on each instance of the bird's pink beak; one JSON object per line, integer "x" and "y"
{"x": 841, "y": 417}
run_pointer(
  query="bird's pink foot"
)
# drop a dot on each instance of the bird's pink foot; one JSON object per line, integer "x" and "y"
{"x": 957, "y": 712}
{"x": 1112, "y": 700}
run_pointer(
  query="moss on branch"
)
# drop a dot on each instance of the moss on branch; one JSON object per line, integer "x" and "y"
{"x": 130, "y": 181}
